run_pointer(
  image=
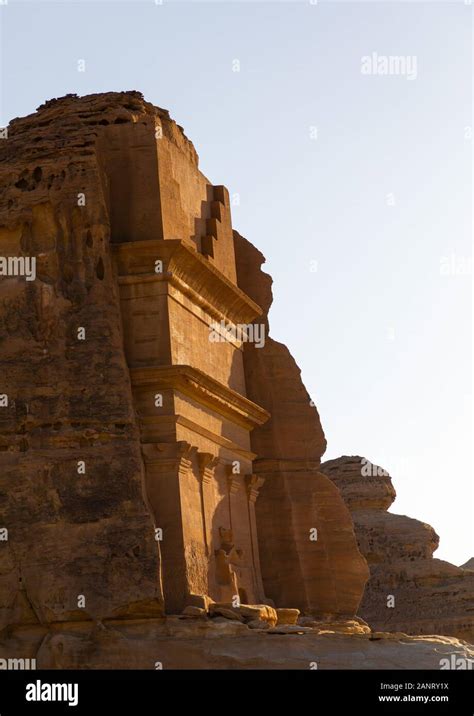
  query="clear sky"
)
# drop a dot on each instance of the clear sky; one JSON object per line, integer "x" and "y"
{"x": 356, "y": 187}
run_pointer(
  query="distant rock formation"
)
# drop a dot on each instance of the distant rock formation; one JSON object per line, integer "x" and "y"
{"x": 408, "y": 590}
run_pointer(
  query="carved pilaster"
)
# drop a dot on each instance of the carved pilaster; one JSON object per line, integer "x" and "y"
{"x": 207, "y": 465}
{"x": 168, "y": 469}
{"x": 253, "y": 483}
{"x": 233, "y": 486}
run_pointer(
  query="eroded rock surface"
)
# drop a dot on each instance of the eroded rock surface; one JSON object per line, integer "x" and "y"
{"x": 308, "y": 550}
{"x": 408, "y": 590}
{"x": 146, "y": 469}
{"x": 132, "y": 447}
{"x": 71, "y": 472}
{"x": 180, "y": 643}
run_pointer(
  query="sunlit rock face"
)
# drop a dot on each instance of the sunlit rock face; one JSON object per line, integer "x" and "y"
{"x": 408, "y": 590}
{"x": 158, "y": 450}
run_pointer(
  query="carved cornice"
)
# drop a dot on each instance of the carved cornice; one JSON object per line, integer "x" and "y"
{"x": 204, "y": 389}
{"x": 153, "y": 428}
{"x": 189, "y": 272}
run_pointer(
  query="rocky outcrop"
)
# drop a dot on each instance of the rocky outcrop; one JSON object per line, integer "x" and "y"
{"x": 149, "y": 470}
{"x": 132, "y": 446}
{"x": 80, "y": 540}
{"x": 203, "y": 643}
{"x": 408, "y": 589}
{"x": 308, "y": 551}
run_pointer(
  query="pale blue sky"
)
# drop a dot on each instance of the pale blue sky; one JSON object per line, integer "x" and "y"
{"x": 377, "y": 200}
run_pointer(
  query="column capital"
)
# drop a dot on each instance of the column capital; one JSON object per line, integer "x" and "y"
{"x": 169, "y": 456}
{"x": 207, "y": 464}
{"x": 253, "y": 483}
{"x": 184, "y": 456}
{"x": 233, "y": 481}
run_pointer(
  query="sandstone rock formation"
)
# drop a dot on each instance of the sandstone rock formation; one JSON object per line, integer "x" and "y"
{"x": 408, "y": 590}
{"x": 325, "y": 575}
{"x": 139, "y": 420}
{"x": 71, "y": 471}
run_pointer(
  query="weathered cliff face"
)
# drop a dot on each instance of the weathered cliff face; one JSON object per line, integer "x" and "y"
{"x": 71, "y": 473}
{"x": 408, "y": 589}
{"x": 98, "y": 191}
{"x": 144, "y": 468}
{"x": 95, "y": 190}
{"x": 308, "y": 550}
